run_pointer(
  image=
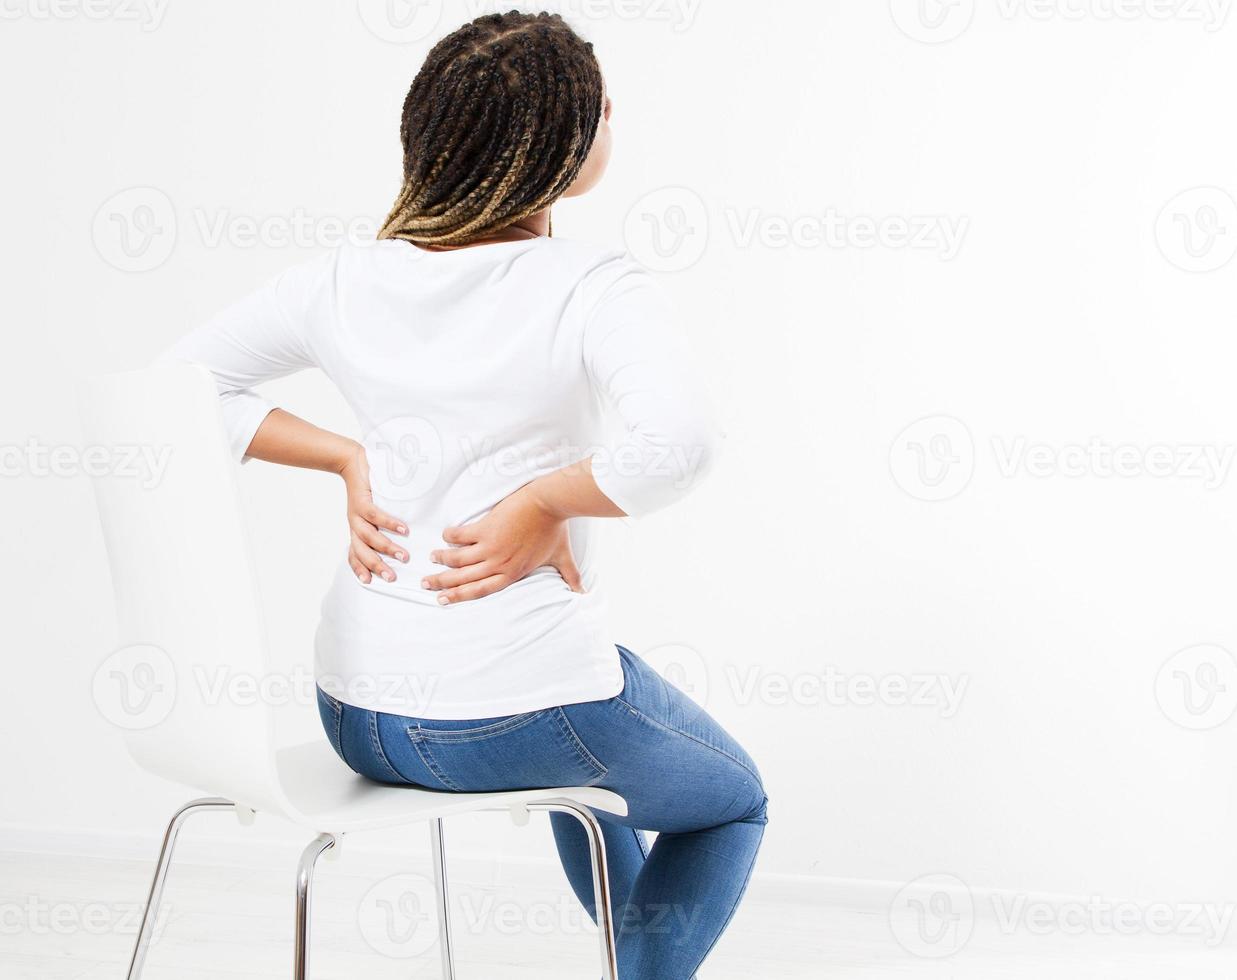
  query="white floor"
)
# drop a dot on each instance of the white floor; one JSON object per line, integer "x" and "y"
{"x": 68, "y": 918}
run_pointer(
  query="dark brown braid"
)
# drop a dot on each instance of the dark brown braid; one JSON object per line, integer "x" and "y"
{"x": 496, "y": 126}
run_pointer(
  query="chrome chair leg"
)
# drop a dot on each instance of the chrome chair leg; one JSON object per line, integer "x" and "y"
{"x": 153, "y": 900}
{"x": 445, "y": 940}
{"x": 601, "y": 878}
{"x": 304, "y": 883}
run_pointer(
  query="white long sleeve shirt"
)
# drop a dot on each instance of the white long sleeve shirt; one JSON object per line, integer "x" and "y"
{"x": 471, "y": 373}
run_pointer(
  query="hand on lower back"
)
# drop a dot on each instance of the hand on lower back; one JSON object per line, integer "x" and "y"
{"x": 519, "y": 535}
{"x": 365, "y": 520}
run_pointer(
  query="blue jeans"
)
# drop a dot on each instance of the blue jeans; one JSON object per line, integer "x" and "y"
{"x": 681, "y": 774}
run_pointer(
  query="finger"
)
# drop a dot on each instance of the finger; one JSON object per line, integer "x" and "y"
{"x": 359, "y": 570}
{"x": 457, "y": 576}
{"x": 372, "y": 560}
{"x": 458, "y": 557}
{"x": 379, "y": 542}
{"x": 461, "y": 534}
{"x": 474, "y": 590}
{"x": 565, "y": 562}
{"x": 380, "y": 518}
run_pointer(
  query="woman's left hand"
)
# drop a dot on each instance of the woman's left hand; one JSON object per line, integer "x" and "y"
{"x": 520, "y": 534}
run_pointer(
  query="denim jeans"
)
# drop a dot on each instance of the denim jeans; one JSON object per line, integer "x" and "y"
{"x": 683, "y": 777}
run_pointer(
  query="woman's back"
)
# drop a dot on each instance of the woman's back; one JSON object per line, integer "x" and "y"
{"x": 471, "y": 373}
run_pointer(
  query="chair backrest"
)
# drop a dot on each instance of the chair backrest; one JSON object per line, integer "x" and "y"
{"x": 191, "y": 631}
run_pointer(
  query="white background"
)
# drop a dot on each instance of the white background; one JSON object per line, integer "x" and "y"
{"x": 1055, "y": 590}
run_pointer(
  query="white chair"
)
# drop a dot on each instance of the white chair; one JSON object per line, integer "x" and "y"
{"x": 184, "y": 585}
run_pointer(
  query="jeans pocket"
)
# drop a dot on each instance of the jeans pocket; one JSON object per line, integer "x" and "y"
{"x": 534, "y": 750}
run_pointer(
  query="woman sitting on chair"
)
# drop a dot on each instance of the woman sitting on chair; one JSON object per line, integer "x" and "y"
{"x": 463, "y": 646}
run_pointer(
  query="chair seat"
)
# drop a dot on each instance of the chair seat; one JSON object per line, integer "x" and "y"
{"x": 330, "y": 797}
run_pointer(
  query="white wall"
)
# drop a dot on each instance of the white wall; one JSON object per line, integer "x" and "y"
{"x": 1049, "y": 144}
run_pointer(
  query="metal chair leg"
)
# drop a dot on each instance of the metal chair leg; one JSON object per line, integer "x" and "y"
{"x": 304, "y": 882}
{"x": 601, "y": 879}
{"x": 153, "y": 900}
{"x": 445, "y": 940}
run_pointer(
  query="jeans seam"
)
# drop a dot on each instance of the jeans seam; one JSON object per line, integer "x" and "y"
{"x": 676, "y": 731}
{"x": 477, "y": 734}
{"x": 376, "y": 744}
{"x": 418, "y": 743}
{"x": 581, "y": 749}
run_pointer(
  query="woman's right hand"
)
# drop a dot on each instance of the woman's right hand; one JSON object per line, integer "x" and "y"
{"x": 365, "y": 523}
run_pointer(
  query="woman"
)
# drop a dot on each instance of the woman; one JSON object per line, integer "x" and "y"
{"x": 463, "y": 647}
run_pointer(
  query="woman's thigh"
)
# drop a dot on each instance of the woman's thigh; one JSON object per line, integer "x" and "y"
{"x": 678, "y": 769}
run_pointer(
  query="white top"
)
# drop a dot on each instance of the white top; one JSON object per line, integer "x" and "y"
{"x": 472, "y": 372}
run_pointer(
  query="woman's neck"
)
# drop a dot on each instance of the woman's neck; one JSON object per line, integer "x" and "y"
{"x": 534, "y": 226}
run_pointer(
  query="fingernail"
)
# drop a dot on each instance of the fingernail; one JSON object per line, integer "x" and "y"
{"x": 388, "y": 576}
{"x": 401, "y": 556}
{"x": 425, "y": 583}
{"x": 402, "y": 529}
{"x": 443, "y": 600}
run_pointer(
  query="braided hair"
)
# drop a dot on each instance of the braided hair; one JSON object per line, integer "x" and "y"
{"x": 496, "y": 126}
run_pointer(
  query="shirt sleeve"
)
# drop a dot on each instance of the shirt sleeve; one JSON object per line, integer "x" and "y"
{"x": 260, "y": 338}
{"x": 638, "y": 360}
